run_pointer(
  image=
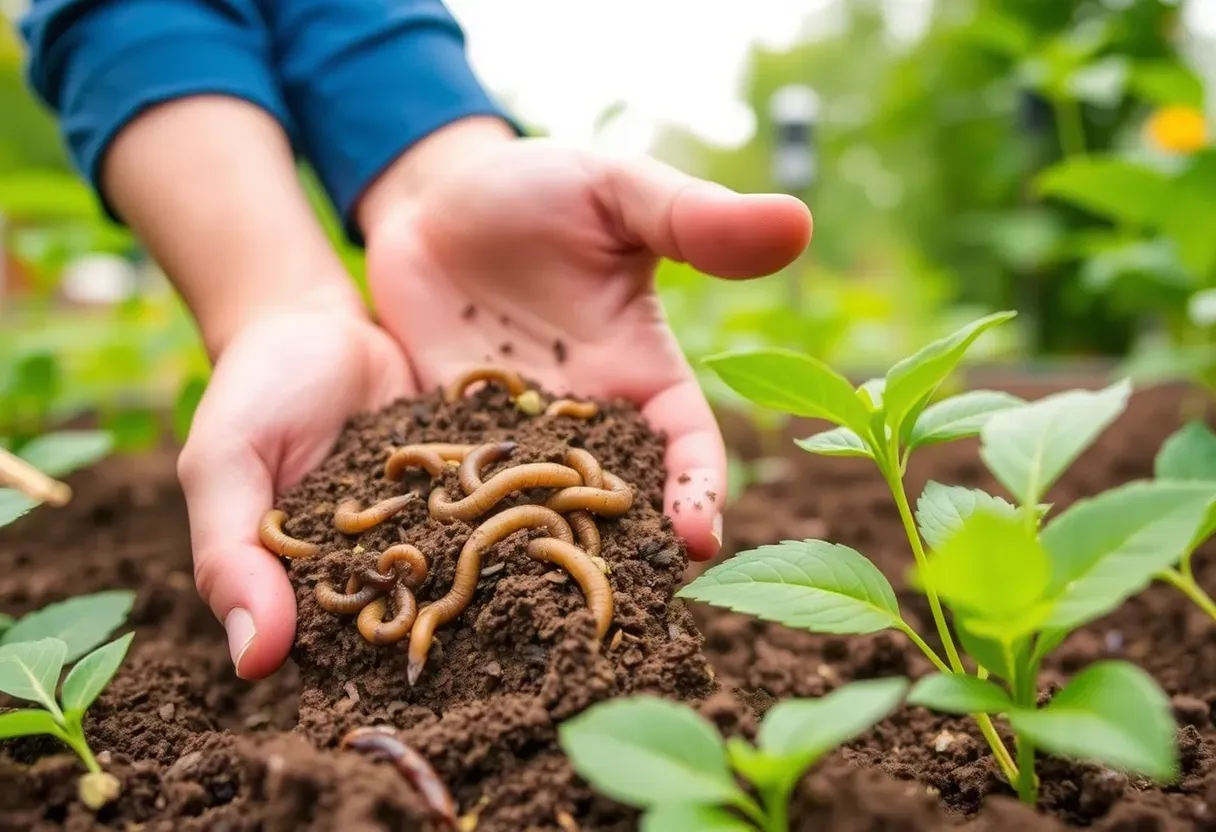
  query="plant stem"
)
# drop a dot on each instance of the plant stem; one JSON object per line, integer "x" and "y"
{"x": 1028, "y": 787}
{"x": 925, "y": 648}
{"x": 1190, "y": 589}
{"x": 74, "y": 738}
{"x": 1070, "y": 128}
{"x": 777, "y": 803}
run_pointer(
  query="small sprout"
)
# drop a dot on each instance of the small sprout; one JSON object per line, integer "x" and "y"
{"x": 1189, "y": 455}
{"x": 96, "y": 789}
{"x": 530, "y": 403}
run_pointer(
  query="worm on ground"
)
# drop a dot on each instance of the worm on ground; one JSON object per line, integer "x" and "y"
{"x": 588, "y": 467}
{"x": 511, "y": 380}
{"x": 413, "y": 456}
{"x": 468, "y": 570}
{"x": 373, "y": 627}
{"x": 272, "y": 536}
{"x": 574, "y": 560}
{"x": 349, "y": 519}
{"x": 586, "y": 532}
{"x": 356, "y": 597}
{"x": 476, "y": 461}
{"x": 502, "y": 484}
{"x": 612, "y": 501}
{"x": 405, "y": 563}
{"x": 412, "y": 765}
{"x": 570, "y": 407}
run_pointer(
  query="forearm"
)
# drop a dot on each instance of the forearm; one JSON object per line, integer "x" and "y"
{"x": 209, "y": 185}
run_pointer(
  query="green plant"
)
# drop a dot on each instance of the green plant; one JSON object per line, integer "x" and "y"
{"x": 1189, "y": 455}
{"x": 56, "y": 455}
{"x": 1016, "y": 588}
{"x": 663, "y": 757}
{"x": 33, "y": 652}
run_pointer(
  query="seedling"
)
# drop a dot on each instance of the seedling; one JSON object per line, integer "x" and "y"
{"x": 1016, "y": 588}
{"x": 33, "y": 653}
{"x": 664, "y": 758}
{"x": 1189, "y": 455}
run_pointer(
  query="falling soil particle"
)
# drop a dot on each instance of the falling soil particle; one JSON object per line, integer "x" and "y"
{"x": 683, "y": 479}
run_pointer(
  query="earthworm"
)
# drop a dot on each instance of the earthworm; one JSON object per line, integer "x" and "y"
{"x": 403, "y": 554}
{"x": 350, "y": 602}
{"x": 412, "y": 765}
{"x": 570, "y": 407}
{"x": 413, "y": 456}
{"x": 585, "y": 531}
{"x": 468, "y": 570}
{"x": 272, "y": 536}
{"x": 477, "y": 459}
{"x": 592, "y": 581}
{"x": 350, "y": 520}
{"x": 509, "y": 379}
{"x": 518, "y": 478}
{"x": 588, "y": 467}
{"x": 373, "y": 627}
{"x": 613, "y": 501}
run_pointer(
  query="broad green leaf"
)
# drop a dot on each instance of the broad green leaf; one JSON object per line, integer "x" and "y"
{"x": 994, "y": 570}
{"x": 1112, "y": 713}
{"x": 1167, "y": 82}
{"x": 30, "y": 670}
{"x": 942, "y": 509}
{"x": 835, "y": 442}
{"x": 1111, "y": 187}
{"x": 6, "y": 621}
{"x": 1029, "y": 447}
{"x": 1109, "y": 547}
{"x": 956, "y": 694}
{"x": 913, "y": 380}
{"x": 1188, "y": 454}
{"x": 647, "y": 751}
{"x": 27, "y": 723}
{"x": 59, "y": 454}
{"x": 669, "y": 817}
{"x": 806, "y": 729}
{"x": 997, "y": 657}
{"x": 14, "y": 504}
{"x": 871, "y": 392}
{"x": 809, "y": 584}
{"x": 81, "y": 623}
{"x": 756, "y": 767}
{"x": 92, "y": 673}
{"x": 791, "y": 383}
{"x": 959, "y": 417}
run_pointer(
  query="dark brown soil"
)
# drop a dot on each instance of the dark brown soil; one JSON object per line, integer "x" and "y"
{"x": 199, "y": 749}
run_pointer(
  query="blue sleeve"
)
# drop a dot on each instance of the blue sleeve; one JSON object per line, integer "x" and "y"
{"x": 366, "y": 79}
{"x": 100, "y": 63}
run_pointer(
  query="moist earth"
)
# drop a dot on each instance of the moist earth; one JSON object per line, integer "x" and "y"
{"x": 199, "y": 749}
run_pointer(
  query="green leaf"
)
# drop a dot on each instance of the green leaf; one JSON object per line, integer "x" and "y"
{"x": 669, "y": 817}
{"x": 791, "y": 383}
{"x": 956, "y": 694}
{"x": 806, "y": 729}
{"x": 753, "y": 765}
{"x": 1109, "y": 187}
{"x": 942, "y": 509}
{"x": 92, "y": 673}
{"x": 30, "y": 670}
{"x": 185, "y": 405}
{"x": 809, "y": 584}
{"x": 1029, "y": 447}
{"x": 59, "y": 454}
{"x": 835, "y": 442}
{"x": 647, "y": 751}
{"x": 871, "y": 393}
{"x": 1188, "y": 454}
{"x": 913, "y": 380}
{"x": 996, "y": 656}
{"x": 959, "y": 417}
{"x": 1112, "y": 713}
{"x": 14, "y": 504}
{"x": 1167, "y": 82}
{"x": 81, "y": 623}
{"x": 27, "y": 723}
{"x": 995, "y": 571}
{"x": 1109, "y": 547}
{"x": 6, "y": 621}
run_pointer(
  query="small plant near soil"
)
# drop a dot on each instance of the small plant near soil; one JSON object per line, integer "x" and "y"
{"x": 1189, "y": 455}
{"x": 1015, "y": 586}
{"x": 664, "y": 758}
{"x": 32, "y": 470}
{"x": 35, "y": 649}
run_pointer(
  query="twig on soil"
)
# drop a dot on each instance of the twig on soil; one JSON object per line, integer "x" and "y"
{"x": 272, "y": 536}
{"x": 21, "y": 475}
{"x": 412, "y": 765}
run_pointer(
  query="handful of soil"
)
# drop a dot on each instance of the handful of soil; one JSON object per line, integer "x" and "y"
{"x": 527, "y": 651}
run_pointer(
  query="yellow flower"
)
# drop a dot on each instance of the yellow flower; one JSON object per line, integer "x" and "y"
{"x": 1178, "y": 129}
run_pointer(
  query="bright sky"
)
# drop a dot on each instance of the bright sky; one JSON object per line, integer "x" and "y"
{"x": 562, "y": 63}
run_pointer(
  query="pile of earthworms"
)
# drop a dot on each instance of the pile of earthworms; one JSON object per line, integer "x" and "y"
{"x": 579, "y": 490}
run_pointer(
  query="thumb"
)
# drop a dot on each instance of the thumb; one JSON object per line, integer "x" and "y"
{"x": 692, "y": 220}
{"x": 228, "y": 487}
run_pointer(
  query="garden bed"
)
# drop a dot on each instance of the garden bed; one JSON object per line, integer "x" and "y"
{"x": 197, "y": 748}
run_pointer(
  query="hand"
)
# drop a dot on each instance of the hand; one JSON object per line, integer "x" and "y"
{"x": 282, "y": 389}
{"x": 550, "y": 252}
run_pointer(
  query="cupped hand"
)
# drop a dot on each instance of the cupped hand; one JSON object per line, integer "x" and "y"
{"x": 542, "y": 258}
{"x": 281, "y": 392}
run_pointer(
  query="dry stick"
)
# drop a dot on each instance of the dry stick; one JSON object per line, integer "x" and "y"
{"x": 468, "y": 570}
{"x": 591, "y": 580}
{"x": 21, "y": 475}
{"x": 499, "y": 486}
{"x": 412, "y": 765}
{"x": 349, "y": 519}
{"x": 272, "y": 536}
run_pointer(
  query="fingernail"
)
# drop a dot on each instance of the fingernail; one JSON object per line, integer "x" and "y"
{"x": 241, "y": 632}
{"x": 716, "y": 530}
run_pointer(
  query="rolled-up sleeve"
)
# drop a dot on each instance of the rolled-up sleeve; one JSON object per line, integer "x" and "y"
{"x": 99, "y": 63}
{"x": 367, "y": 79}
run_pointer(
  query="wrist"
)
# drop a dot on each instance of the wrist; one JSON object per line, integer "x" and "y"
{"x": 427, "y": 165}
